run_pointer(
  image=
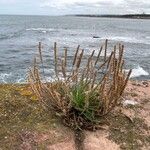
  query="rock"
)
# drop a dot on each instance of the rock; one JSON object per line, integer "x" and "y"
{"x": 96, "y": 37}
{"x": 145, "y": 83}
{"x": 129, "y": 102}
{"x": 98, "y": 140}
{"x": 68, "y": 145}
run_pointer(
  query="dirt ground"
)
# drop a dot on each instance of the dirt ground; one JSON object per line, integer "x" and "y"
{"x": 25, "y": 125}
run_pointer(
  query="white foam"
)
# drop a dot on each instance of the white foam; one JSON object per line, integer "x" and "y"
{"x": 48, "y": 79}
{"x": 11, "y": 78}
{"x": 138, "y": 71}
{"x": 44, "y": 30}
{"x": 4, "y": 77}
{"x": 128, "y": 39}
{"x": 122, "y": 38}
{"x": 147, "y": 37}
{"x": 21, "y": 80}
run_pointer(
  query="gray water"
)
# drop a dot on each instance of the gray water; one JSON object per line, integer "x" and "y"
{"x": 19, "y": 37}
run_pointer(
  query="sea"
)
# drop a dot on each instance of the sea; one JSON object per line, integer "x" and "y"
{"x": 20, "y": 35}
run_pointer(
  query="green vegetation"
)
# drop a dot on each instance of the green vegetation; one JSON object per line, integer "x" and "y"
{"x": 82, "y": 95}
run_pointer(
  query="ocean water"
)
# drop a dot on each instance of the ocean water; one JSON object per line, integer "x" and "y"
{"x": 19, "y": 37}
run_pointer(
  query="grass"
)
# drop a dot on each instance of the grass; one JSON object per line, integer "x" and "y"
{"x": 129, "y": 135}
{"x": 87, "y": 92}
{"x": 20, "y": 112}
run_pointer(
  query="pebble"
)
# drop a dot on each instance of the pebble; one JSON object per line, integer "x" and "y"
{"x": 129, "y": 102}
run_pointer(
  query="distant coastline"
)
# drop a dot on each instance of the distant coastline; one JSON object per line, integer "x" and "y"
{"x": 130, "y": 16}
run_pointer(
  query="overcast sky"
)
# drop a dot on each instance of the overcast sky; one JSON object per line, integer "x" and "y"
{"x": 62, "y": 7}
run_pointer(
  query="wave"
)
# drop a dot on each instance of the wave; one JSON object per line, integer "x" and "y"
{"x": 145, "y": 40}
{"x": 147, "y": 37}
{"x": 4, "y": 77}
{"x": 138, "y": 71}
{"x": 44, "y": 30}
{"x": 21, "y": 80}
{"x": 11, "y": 78}
{"x": 10, "y": 35}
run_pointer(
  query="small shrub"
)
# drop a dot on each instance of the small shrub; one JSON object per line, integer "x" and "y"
{"x": 84, "y": 90}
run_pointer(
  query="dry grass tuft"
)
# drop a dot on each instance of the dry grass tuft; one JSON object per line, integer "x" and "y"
{"x": 91, "y": 89}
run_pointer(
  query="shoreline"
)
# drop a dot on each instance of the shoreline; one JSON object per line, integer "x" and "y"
{"x": 132, "y": 16}
{"x": 130, "y": 81}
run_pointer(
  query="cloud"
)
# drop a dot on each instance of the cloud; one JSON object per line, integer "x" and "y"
{"x": 138, "y": 4}
{"x": 80, "y": 6}
{"x": 61, "y": 7}
{"x": 99, "y": 6}
{"x": 65, "y": 3}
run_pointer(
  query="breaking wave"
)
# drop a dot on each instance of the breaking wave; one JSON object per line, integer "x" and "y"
{"x": 11, "y": 78}
{"x": 4, "y": 77}
{"x": 44, "y": 30}
{"x": 138, "y": 71}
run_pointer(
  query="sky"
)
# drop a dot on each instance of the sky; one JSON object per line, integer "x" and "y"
{"x": 64, "y": 7}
